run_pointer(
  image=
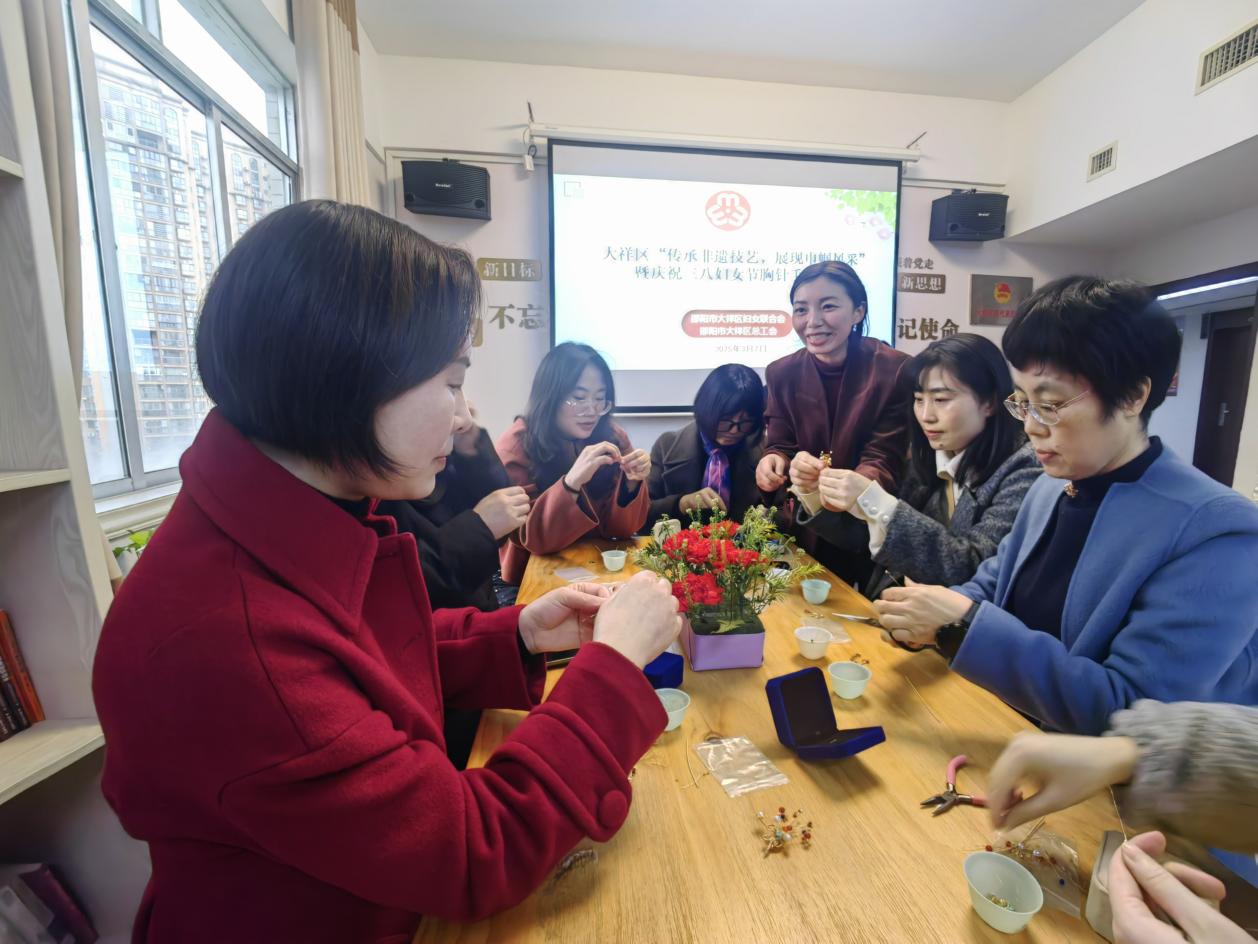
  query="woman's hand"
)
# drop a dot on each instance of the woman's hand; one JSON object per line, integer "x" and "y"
{"x": 503, "y": 510}
{"x": 771, "y": 472}
{"x": 840, "y": 488}
{"x": 914, "y": 613}
{"x": 701, "y": 500}
{"x": 1188, "y": 896}
{"x": 641, "y": 620}
{"x": 1064, "y": 769}
{"x": 805, "y": 471}
{"x": 591, "y": 459}
{"x": 563, "y": 618}
{"x": 636, "y": 465}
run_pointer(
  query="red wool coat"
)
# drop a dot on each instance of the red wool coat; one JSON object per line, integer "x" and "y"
{"x": 558, "y": 518}
{"x": 271, "y": 684}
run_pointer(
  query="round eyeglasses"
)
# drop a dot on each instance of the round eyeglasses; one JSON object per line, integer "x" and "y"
{"x": 584, "y": 406}
{"x": 1046, "y": 414}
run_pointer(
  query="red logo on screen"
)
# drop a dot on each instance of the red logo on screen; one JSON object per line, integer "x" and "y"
{"x": 728, "y": 210}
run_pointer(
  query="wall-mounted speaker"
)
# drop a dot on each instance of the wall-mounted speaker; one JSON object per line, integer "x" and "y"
{"x": 446, "y": 188}
{"x": 968, "y": 216}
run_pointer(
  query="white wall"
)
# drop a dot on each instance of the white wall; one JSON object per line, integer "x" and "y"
{"x": 1135, "y": 85}
{"x": 1205, "y": 247}
{"x": 463, "y": 105}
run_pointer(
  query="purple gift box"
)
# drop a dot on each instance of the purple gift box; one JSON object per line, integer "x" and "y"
{"x": 732, "y": 650}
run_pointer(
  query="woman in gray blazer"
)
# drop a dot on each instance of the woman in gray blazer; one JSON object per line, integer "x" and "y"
{"x": 969, "y": 468}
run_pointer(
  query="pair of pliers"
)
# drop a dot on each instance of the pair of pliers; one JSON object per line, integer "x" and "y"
{"x": 943, "y": 802}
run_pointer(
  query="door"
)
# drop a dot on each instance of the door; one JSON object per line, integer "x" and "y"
{"x": 1229, "y": 355}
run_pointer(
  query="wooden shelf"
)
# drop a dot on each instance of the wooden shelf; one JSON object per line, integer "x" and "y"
{"x": 43, "y": 749}
{"x": 12, "y": 481}
{"x": 10, "y": 168}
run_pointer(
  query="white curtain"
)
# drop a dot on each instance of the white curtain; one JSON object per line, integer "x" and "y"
{"x": 330, "y": 101}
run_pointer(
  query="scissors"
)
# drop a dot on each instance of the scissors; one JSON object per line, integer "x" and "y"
{"x": 943, "y": 802}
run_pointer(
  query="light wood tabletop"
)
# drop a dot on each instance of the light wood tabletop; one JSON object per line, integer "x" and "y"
{"x": 688, "y": 865}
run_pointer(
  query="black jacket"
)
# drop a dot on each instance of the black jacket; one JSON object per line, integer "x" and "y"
{"x": 458, "y": 553}
{"x": 678, "y": 461}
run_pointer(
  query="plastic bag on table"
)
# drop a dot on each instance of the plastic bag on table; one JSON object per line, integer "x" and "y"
{"x": 1051, "y": 858}
{"x": 739, "y": 765}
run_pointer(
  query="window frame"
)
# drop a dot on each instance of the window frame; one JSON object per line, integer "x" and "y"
{"x": 135, "y": 38}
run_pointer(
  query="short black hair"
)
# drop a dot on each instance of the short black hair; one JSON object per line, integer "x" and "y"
{"x": 553, "y": 383}
{"x": 729, "y": 390}
{"x": 846, "y": 276}
{"x": 977, "y": 363}
{"x": 1114, "y": 334}
{"x": 322, "y": 313}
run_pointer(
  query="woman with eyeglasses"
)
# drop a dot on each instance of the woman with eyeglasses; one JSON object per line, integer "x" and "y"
{"x": 969, "y": 468}
{"x": 711, "y": 462}
{"x": 578, "y": 467}
{"x": 1128, "y": 573}
{"x": 844, "y": 396}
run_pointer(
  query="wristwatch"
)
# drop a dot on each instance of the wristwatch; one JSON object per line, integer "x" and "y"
{"x": 950, "y": 636}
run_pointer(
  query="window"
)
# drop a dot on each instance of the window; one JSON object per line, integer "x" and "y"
{"x": 164, "y": 111}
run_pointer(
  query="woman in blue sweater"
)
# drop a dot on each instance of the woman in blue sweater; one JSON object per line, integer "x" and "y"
{"x": 1128, "y": 573}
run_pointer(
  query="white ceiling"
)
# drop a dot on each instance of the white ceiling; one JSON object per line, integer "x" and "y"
{"x": 986, "y": 49}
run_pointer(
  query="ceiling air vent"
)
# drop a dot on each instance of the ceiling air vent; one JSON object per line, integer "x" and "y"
{"x": 1102, "y": 161}
{"x": 1228, "y": 57}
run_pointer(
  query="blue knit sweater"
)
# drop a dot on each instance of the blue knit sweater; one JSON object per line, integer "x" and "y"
{"x": 1163, "y": 604}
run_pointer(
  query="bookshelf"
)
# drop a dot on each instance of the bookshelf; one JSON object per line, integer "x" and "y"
{"x": 53, "y": 581}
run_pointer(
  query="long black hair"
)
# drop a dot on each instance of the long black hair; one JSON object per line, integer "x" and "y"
{"x": 550, "y": 450}
{"x": 844, "y": 275}
{"x": 729, "y": 390}
{"x": 977, "y": 363}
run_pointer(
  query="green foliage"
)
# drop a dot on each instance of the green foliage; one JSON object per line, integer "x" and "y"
{"x": 867, "y": 201}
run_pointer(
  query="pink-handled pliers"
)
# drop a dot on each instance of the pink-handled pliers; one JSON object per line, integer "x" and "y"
{"x": 943, "y": 802}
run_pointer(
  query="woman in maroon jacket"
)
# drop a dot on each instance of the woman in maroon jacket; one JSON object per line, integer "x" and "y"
{"x": 578, "y": 466}
{"x": 843, "y": 394}
{"x": 271, "y": 680}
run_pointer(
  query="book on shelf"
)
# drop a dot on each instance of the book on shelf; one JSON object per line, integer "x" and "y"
{"x": 40, "y": 890}
{"x": 10, "y": 704}
{"x": 24, "y": 687}
{"x": 30, "y": 921}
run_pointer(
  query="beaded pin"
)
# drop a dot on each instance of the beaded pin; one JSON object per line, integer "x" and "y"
{"x": 779, "y": 832}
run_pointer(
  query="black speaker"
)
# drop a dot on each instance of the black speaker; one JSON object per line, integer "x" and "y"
{"x": 968, "y": 216}
{"x": 446, "y": 188}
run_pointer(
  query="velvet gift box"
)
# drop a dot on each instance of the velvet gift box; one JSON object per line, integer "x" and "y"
{"x": 804, "y": 718}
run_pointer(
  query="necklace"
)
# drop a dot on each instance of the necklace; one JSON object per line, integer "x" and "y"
{"x": 1070, "y": 490}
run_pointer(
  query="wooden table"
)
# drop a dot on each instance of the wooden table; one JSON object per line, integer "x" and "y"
{"x": 688, "y": 865}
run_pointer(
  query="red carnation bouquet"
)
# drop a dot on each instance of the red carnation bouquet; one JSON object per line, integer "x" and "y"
{"x": 724, "y": 574}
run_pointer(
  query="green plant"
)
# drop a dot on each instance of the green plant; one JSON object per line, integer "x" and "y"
{"x": 723, "y": 572}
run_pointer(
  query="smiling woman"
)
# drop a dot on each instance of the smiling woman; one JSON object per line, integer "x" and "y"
{"x": 333, "y": 341}
{"x": 1128, "y": 573}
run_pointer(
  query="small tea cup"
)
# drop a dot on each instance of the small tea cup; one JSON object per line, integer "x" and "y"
{"x": 675, "y": 702}
{"x": 848, "y": 679}
{"x": 614, "y": 560}
{"x": 813, "y": 641}
{"x": 815, "y": 591}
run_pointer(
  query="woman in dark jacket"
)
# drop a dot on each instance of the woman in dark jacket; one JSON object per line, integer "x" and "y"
{"x": 271, "y": 679}
{"x": 711, "y": 462}
{"x": 969, "y": 468}
{"x": 844, "y": 395}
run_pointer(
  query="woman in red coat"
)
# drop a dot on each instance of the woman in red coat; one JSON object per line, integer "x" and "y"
{"x": 844, "y": 394}
{"x": 271, "y": 680}
{"x": 578, "y": 466}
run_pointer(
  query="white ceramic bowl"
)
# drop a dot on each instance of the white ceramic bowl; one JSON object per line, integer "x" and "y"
{"x": 675, "y": 702}
{"x": 815, "y": 591}
{"x": 813, "y": 641}
{"x": 990, "y": 873}
{"x": 614, "y": 560}
{"x": 848, "y": 679}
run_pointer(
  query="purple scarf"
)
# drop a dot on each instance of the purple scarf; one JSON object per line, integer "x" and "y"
{"x": 716, "y": 475}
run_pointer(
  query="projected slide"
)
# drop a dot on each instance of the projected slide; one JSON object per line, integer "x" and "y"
{"x": 675, "y": 263}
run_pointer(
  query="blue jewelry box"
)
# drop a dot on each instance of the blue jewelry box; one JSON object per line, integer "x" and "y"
{"x": 665, "y": 671}
{"x": 804, "y": 718}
